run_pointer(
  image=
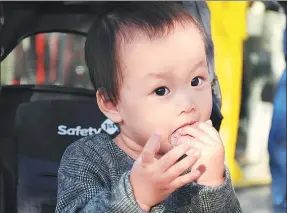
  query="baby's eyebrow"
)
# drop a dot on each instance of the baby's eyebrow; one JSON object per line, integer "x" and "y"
{"x": 200, "y": 63}
{"x": 162, "y": 74}
{"x": 168, "y": 74}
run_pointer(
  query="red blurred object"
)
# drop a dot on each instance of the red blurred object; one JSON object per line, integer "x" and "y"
{"x": 40, "y": 53}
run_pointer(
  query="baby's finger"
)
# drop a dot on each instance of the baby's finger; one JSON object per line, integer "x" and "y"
{"x": 184, "y": 179}
{"x": 180, "y": 167}
{"x": 197, "y": 145}
{"x": 172, "y": 156}
{"x": 182, "y": 139}
{"x": 209, "y": 122}
{"x": 210, "y": 130}
{"x": 196, "y": 133}
{"x": 150, "y": 149}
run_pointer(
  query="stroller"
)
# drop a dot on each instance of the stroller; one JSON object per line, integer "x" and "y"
{"x": 48, "y": 102}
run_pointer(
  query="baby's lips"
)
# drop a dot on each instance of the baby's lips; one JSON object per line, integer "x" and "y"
{"x": 181, "y": 130}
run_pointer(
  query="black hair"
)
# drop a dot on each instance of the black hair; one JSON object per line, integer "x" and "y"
{"x": 154, "y": 19}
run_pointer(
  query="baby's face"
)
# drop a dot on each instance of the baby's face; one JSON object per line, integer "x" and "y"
{"x": 165, "y": 85}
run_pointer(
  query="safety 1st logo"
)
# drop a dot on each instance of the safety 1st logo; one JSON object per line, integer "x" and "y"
{"x": 108, "y": 126}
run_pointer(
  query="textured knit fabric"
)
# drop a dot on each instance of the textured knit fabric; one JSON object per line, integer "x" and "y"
{"x": 94, "y": 177}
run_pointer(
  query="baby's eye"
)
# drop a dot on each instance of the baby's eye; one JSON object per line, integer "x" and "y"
{"x": 161, "y": 91}
{"x": 196, "y": 81}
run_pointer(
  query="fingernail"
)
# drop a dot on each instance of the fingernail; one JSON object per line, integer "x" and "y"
{"x": 196, "y": 153}
{"x": 157, "y": 134}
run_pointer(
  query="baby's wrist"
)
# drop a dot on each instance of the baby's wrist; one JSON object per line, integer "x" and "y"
{"x": 212, "y": 183}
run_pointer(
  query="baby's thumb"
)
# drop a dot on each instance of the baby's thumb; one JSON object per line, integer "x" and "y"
{"x": 150, "y": 149}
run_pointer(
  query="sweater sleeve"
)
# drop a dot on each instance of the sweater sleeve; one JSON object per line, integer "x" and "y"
{"x": 84, "y": 186}
{"x": 209, "y": 199}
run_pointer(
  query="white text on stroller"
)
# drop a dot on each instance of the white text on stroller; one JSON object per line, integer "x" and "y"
{"x": 108, "y": 126}
{"x": 79, "y": 131}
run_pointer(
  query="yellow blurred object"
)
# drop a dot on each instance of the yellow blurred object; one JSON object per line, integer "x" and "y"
{"x": 228, "y": 23}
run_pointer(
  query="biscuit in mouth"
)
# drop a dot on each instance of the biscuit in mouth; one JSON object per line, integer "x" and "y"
{"x": 175, "y": 136}
{"x": 173, "y": 139}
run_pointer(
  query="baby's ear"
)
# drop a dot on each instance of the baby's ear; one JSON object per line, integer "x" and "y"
{"x": 108, "y": 108}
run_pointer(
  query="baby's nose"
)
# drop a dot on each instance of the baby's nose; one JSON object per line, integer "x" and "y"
{"x": 187, "y": 104}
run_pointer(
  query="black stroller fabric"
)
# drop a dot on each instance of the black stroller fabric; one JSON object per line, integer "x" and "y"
{"x": 31, "y": 155}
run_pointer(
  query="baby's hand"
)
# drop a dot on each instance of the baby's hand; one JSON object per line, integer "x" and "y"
{"x": 206, "y": 139}
{"x": 154, "y": 180}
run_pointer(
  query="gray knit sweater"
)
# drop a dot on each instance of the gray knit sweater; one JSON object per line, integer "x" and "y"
{"x": 94, "y": 177}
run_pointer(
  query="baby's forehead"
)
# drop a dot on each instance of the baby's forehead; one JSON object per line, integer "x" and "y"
{"x": 181, "y": 46}
{"x": 132, "y": 34}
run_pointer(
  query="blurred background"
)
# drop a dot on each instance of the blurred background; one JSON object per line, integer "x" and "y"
{"x": 249, "y": 63}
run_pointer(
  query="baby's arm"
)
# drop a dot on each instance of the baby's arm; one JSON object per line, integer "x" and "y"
{"x": 83, "y": 186}
{"x": 213, "y": 190}
{"x": 219, "y": 199}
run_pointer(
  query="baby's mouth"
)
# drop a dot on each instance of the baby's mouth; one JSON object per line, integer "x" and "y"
{"x": 176, "y": 133}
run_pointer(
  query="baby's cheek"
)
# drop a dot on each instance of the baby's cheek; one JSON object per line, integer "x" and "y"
{"x": 165, "y": 145}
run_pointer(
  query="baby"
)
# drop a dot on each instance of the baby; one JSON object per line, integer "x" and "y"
{"x": 148, "y": 64}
